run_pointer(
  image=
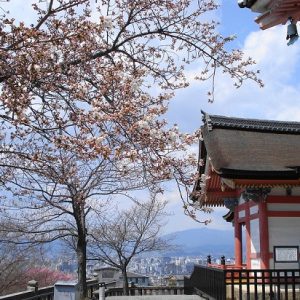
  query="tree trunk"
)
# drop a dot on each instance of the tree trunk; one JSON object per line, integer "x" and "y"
{"x": 81, "y": 251}
{"x": 81, "y": 258}
{"x": 125, "y": 282}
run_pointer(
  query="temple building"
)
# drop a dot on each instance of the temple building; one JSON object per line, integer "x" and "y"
{"x": 252, "y": 167}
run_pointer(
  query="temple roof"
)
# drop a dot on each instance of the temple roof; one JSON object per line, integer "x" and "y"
{"x": 238, "y": 153}
{"x": 251, "y": 148}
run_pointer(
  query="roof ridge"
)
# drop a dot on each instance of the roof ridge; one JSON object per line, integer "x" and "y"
{"x": 218, "y": 121}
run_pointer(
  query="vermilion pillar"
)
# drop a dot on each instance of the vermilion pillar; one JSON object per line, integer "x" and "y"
{"x": 248, "y": 235}
{"x": 264, "y": 235}
{"x": 237, "y": 240}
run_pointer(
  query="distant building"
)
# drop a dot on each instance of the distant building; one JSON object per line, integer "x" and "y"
{"x": 137, "y": 279}
{"x": 174, "y": 280}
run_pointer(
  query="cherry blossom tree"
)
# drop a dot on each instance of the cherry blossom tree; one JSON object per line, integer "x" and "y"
{"x": 16, "y": 265}
{"x": 14, "y": 262}
{"x": 46, "y": 276}
{"x": 55, "y": 193}
{"x": 83, "y": 93}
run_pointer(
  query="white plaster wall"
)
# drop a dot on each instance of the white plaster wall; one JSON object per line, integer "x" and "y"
{"x": 283, "y": 231}
{"x": 253, "y": 210}
{"x": 255, "y": 263}
{"x": 279, "y": 191}
{"x": 283, "y": 207}
{"x": 283, "y": 266}
{"x": 242, "y": 214}
{"x": 255, "y": 239}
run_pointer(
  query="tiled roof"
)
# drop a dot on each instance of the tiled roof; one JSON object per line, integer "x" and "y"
{"x": 213, "y": 121}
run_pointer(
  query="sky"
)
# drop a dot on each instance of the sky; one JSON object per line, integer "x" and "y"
{"x": 278, "y": 100}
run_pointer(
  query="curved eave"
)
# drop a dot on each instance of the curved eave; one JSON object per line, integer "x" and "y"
{"x": 269, "y": 20}
{"x": 215, "y": 192}
{"x": 214, "y": 199}
{"x": 229, "y": 217}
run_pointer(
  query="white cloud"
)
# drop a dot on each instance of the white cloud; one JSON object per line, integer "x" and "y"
{"x": 273, "y": 56}
{"x": 279, "y": 66}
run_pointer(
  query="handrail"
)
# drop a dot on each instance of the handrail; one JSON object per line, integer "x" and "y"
{"x": 45, "y": 293}
{"x": 42, "y": 293}
{"x": 225, "y": 283}
{"x": 147, "y": 290}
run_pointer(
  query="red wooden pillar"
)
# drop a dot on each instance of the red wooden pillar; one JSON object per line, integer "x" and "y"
{"x": 248, "y": 235}
{"x": 237, "y": 240}
{"x": 264, "y": 235}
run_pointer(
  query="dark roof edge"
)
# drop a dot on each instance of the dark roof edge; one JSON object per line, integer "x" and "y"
{"x": 271, "y": 126}
{"x": 246, "y": 3}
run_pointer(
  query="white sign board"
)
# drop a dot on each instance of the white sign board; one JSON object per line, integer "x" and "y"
{"x": 286, "y": 254}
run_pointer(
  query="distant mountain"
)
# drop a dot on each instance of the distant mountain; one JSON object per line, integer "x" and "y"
{"x": 203, "y": 241}
{"x": 191, "y": 242}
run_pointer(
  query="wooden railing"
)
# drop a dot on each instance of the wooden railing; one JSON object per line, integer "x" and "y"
{"x": 227, "y": 267}
{"x": 222, "y": 283}
{"x": 263, "y": 284}
{"x": 46, "y": 293}
{"x": 206, "y": 281}
{"x": 147, "y": 290}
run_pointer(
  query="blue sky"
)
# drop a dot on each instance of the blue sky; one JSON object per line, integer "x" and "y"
{"x": 279, "y": 99}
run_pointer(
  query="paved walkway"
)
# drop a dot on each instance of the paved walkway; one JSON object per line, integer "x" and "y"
{"x": 157, "y": 297}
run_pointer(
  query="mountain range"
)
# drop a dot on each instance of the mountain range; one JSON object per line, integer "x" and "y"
{"x": 202, "y": 241}
{"x": 190, "y": 242}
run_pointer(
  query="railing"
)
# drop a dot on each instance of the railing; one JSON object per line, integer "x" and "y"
{"x": 92, "y": 285}
{"x": 263, "y": 284}
{"x": 241, "y": 284}
{"x": 227, "y": 267}
{"x": 46, "y": 293}
{"x": 146, "y": 290}
{"x": 206, "y": 281}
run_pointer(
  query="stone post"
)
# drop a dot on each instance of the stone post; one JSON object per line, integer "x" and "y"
{"x": 223, "y": 260}
{"x": 208, "y": 259}
{"x": 101, "y": 291}
{"x": 33, "y": 286}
